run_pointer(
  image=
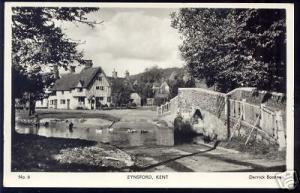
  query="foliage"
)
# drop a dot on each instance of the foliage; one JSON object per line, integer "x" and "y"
{"x": 145, "y": 82}
{"x": 24, "y": 83}
{"x": 151, "y": 75}
{"x": 37, "y": 40}
{"x": 121, "y": 90}
{"x": 231, "y": 48}
{"x": 179, "y": 82}
{"x": 124, "y": 96}
{"x": 174, "y": 85}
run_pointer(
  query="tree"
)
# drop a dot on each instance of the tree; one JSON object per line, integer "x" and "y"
{"x": 37, "y": 42}
{"x": 124, "y": 96}
{"x": 151, "y": 75}
{"x": 231, "y": 48}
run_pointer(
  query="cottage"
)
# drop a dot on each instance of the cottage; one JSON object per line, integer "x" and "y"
{"x": 161, "y": 93}
{"x": 89, "y": 89}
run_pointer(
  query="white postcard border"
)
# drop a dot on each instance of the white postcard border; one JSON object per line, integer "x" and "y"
{"x": 180, "y": 180}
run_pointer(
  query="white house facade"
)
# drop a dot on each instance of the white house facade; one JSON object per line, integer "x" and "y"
{"x": 42, "y": 104}
{"x": 89, "y": 89}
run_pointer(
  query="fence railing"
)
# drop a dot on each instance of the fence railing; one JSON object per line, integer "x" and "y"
{"x": 169, "y": 107}
{"x": 260, "y": 117}
{"x": 269, "y": 122}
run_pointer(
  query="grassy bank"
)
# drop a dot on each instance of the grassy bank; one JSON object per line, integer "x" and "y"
{"x": 256, "y": 148}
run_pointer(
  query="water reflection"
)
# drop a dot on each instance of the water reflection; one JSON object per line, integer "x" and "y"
{"x": 96, "y": 129}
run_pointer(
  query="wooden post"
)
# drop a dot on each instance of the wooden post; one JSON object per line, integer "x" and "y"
{"x": 227, "y": 115}
{"x": 253, "y": 127}
{"x": 262, "y": 115}
{"x": 280, "y": 131}
{"x": 243, "y": 111}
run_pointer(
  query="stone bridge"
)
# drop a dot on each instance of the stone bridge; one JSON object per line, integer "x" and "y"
{"x": 217, "y": 108}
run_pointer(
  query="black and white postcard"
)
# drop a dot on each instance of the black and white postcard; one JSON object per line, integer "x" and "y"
{"x": 149, "y": 95}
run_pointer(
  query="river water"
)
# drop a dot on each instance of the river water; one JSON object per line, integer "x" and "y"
{"x": 122, "y": 134}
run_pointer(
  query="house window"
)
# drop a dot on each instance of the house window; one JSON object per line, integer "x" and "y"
{"x": 62, "y": 92}
{"x": 99, "y": 87}
{"x": 108, "y": 99}
{"x": 81, "y": 100}
{"x": 70, "y": 91}
{"x": 42, "y": 102}
{"x": 99, "y": 78}
{"x": 79, "y": 89}
{"x": 101, "y": 98}
{"x": 62, "y": 101}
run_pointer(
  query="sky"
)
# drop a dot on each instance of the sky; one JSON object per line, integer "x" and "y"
{"x": 128, "y": 39}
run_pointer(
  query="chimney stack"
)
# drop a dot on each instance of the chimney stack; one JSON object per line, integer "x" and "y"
{"x": 72, "y": 69}
{"x": 114, "y": 74}
{"x": 88, "y": 63}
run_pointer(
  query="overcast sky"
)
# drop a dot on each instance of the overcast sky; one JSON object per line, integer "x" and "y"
{"x": 128, "y": 39}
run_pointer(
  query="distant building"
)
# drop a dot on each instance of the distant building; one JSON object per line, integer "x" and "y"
{"x": 155, "y": 87}
{"x": 150, "y": 102}
{"x": 135, "y": 97}
{"x": 135, "y": 83}
{"x": 161, "y": 93}
{"x": 173, "y": 76}
{"x": 42, "y": 104}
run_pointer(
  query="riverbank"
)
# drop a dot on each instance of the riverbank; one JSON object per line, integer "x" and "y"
{"x": 38, "y": 154}
{"x": 63, "y": 114}
{"x": 255, "y": 148}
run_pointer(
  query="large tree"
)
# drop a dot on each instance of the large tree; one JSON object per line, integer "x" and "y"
{"x": 231, "y": 48}
{"x": 37, "y": 42}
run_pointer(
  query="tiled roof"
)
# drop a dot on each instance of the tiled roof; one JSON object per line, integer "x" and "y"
{"x": 69, "y": 81}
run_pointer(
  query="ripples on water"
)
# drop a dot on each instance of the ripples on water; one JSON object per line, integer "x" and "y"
{"x": 96, "y": 129}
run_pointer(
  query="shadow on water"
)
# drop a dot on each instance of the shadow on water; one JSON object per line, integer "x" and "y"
{"x": 185, "y": 134}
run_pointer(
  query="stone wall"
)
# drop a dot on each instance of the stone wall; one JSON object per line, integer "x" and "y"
{"x": 213, "y": 109}
{"x": 211, "y": 105}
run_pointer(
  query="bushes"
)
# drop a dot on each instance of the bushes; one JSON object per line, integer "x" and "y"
{"x": 81, "y": 108}
{"x": 111, "y": 106}
{"x": 132, "y": 106}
